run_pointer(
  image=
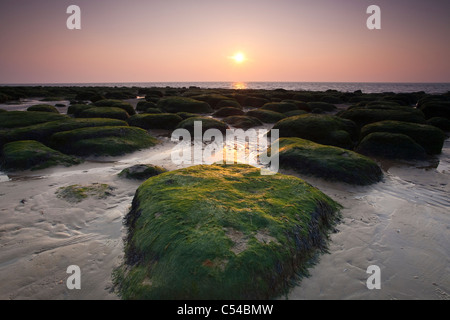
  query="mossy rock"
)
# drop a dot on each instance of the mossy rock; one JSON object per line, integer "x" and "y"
{"x": 77, "y": 109}
{"x": 266, "y": 116}
{"x": 363, "y": 116}
{"x": 228, "y": 112}
{"x": 441, "y": 123}
{"x": 77, "y": 193}
{"x": 3, "y": 110}
{"x": 102, "y": 141}
{"x": 300, "y": 105}
{"x": 33, "y": 155}
{"x": 166, "y": 121}
{"x": 181, "y": 104}
{"x": 207, "y": 123}
{"x": 391, "y": 146}
{"x": 116, "y": 104}
{"x": 212, "y": 99}
{"x": 43, "y": 131}
{"x": 243, "y": 122}
{"x": 255, "y": 102}
{"x": 325, "y": 107}
{"x": 141, "y": 172}
{"x": 329, "y": 163}
{"x": 228, "y": 103}
{"x": 436, "y": 109}
{"x": 43, "y": 108}
{"x": 144, "y": 105}
{"x": 280, "y": 107}
{"x": 153, "y": 111}
{"x": 186, "y": 115}
{"x": 295, "y": 113}
{"x": 221, "y": 232}
{"x": 429, "y": 137}
{"x": 16, "y": 119}
{"x": 322, "y": 129}
{"x": 105, "y": 112}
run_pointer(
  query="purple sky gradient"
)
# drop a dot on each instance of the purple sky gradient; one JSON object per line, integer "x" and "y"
{"x": 192, "y": 40}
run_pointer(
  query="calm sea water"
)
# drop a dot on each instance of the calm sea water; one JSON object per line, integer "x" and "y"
{"x": 434, "y": 88}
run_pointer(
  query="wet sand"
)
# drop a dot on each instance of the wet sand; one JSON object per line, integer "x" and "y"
{"x": 401, "y": 225}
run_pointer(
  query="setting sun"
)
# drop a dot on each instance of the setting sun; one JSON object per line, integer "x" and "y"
{"x": 238, "y": 57}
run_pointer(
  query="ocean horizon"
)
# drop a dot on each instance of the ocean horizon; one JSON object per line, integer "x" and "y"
{"x": 365, "y": 87}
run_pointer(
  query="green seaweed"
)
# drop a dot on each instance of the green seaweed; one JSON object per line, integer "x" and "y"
{"x": 167, "y": 121}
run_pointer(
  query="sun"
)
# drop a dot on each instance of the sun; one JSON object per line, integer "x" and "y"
{"x": 239, "y": 57}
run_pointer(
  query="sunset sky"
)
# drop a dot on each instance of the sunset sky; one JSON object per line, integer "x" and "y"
{"x": 195, "y": 40}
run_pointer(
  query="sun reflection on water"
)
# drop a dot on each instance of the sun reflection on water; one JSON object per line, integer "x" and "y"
{"x": 239, "y": 85}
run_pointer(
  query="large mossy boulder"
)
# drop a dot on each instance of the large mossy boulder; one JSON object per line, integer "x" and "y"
{"x": 43, "y": 131}
{"x": 116, "y": 104}
{"x": 429, "y": 137}
{"x": 436, "y": 109}
{"x": 322, "y": 129}
{"x": 439, "y": 122}
{"x": 3, "y": 110}
{"x": 266, "y": 116}
{"x": 254, "y": 102}
{"x": 329, "y": 163}
{"x": 213, "y": 99}
{"x": 221, "y": 232}
{"x": 228, "y": 112}
{"x": 207, "y": 123}
{"x": 141, "y": 172}
{"x": 32, "y": 155}
{"x": 181, "y": 104}
{"x": 243, "y": 122}
{"x": 391, "y": 146}
{"x": 280, "y": 107}
{"x": 365, "y": 116}
{"x": 144, "y": 105}
{"x": 102, "y": 141}
{"x": 166, "y": 121}
{"x": 77, "y": 109}
{"x": 105, "y": 112}
{"x": 43, "y": 108}
{"x": 323, "y": 106}
{"x": 17, "y": 119}
{"x": 228, "y": 103}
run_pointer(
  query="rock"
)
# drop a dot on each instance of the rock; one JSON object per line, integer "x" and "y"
{"x": 207, "y": 123}
{"x": 153, "y": 111}
{"x": 166, "y": 121}
{"x": 243, "y": 122}
{"x": 295, "y": 113}
{"x": 180, "y": 104}
{"x": 228, "y": 112}
{"x": 212, "y": 99}
{"x": 280, "y": 107}
{"x": 255, "y": 102}
{"x": 144, "y": 105}
{"x": 32, "y": 155}
{"x": 441, "y": 123}
{"x": 329, "y": 163}
{"x": 43, "y": 131}
{"x": 77, "y": 109}
{"x": 266, "y": 116}
{"x": 186, "y": 115}
{"x": 322, "y": 129}
{"x": 228, "y": 103}
{"x": 391, "y": 146}
{"x": 436, "y": 109}
{"x": 365, "y": 116}
{"x": 116, "y": 104}
{"x": 17, "y": 119}
{"x": 3, "y": 110}
{"x": 221, "y": 232}
{"x": 43, "y": 108}
{"x": 104, "y": 112}
{"x": 102, "y": 141}
{"x": 325, "y": 107}
{"x": 141, "y": 172}
{"x": 429, "y": 137}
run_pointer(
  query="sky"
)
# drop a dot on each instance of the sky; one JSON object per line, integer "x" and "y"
{"x": 194, "y": 40}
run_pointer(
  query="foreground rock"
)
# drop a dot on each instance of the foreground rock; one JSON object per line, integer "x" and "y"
{"x": 429, "y": 137}
{"x": 266, "y": 116}
{"x": 323, "y": 129}
{"x": 207, "y": 123}
{"x": 329, "y": 163}
{"x": 43, "y": 108}
{"x": 391, "y": 146}
{"x": 180, "y": 104}
{"x": 243, "y": 122}
{"x": 33, "y": 155}
{"x": 105, "y": 112}
{"x": 166, "y": 121}
{"x": 102, "y": 141}
{"x": 16, "y": 119}
{"x": 141, "y": 172}
{"x": 221, "y": 232}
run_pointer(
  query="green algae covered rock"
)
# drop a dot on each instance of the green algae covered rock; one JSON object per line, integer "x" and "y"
{"x": 141, "y": 172}
{"x": 33, "y": 155}
{"x": 181, "y": 104}
{"x": 17, "y": 119}
{"x": 105, "y": 112}
{"x": 166, "y": 121}
{"x": 207, "y": 123}
{"x": 43, "y": 108}
{"x": 329, "y": 163}
{"x": 243, "y": 122}
{"x": 221, "y": 232}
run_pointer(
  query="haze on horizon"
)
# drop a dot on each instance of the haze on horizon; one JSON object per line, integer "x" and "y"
{"x": 193, "y": 40}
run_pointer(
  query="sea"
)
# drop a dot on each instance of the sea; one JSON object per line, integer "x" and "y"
{"x": 365, "y": 87}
